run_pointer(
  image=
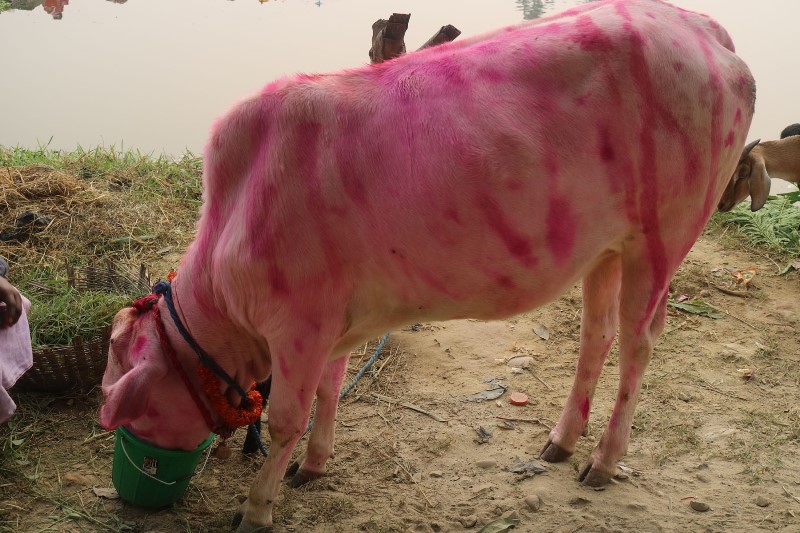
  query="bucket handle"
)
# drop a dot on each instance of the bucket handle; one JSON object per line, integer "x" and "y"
{"x": 168, "y": 483}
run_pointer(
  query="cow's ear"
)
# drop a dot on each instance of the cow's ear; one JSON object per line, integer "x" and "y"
{"x": 135, "y": 369}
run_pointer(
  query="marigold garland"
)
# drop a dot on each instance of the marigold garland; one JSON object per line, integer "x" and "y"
{"x": 232, "y": 417}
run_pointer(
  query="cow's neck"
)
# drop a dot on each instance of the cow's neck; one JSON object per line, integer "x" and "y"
{"x": 239, "y": 354}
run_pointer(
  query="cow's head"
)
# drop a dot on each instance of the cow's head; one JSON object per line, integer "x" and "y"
{"x": 142, "y": 390}
{"x": 749, "y": 179}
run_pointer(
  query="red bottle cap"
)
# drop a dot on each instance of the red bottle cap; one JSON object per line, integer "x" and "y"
{"x": 518, "y": 398}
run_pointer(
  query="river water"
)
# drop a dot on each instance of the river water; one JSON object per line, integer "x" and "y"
{"x": 153, "y": 74}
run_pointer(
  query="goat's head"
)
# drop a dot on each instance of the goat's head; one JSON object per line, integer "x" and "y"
{"x": 749, "y": 179}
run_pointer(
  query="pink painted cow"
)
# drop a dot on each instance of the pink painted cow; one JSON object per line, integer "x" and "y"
{"x": 479, "y": 178}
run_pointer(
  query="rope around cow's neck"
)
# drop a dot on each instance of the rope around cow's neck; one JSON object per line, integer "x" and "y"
{"x": 163, "y": 288}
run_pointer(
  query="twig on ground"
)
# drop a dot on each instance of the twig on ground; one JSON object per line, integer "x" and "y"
{"x": 734, "y": 316}
{"x": 531, "y": 420}
{"x": 711, "y": 387}
{"x": 378, "y": 371}
{"x": 97, "y": 436}
{"x": 773, "y": 261}
{"x": 792, "y": 496}
{"x": 728, "y": 291}
{"x": 408, "y": 405}
{"x": 540, "y": 380}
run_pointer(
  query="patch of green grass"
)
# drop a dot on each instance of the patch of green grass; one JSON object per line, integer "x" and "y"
{"x": 4, "y": 6}
{"x": 774, "y": 228}
{"x": 55, "y": 319}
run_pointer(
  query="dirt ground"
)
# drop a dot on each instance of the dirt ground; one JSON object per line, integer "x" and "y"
{"x": 703, "y": 432}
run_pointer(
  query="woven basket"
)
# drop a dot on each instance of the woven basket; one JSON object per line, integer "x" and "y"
{"x": 81, "y": 364}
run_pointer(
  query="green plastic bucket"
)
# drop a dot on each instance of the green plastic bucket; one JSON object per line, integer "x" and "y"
{"x": 149, "y": 476}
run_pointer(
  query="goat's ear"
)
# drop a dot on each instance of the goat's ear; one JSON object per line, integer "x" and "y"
{"x": 747, "y": 149}
{"x": 759, "y": 185}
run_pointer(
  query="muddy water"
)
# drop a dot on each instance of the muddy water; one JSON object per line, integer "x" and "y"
{"x": 153, "y": 74}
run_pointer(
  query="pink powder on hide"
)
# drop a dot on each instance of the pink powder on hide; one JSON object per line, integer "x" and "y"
{"x": 729, "y": 139}
{"x": 648, "y": 174}
{"x": 590, "y": 37}
{"x": 492, "y": 75}
{"x": 606, "y": 148}
{"x": 346, "y": 152}
{"x": 452, "y": 214}
{"x": 506, "y": 282}
{"x": 585, "y": 405}
{"x": 561, "y": 229}
{"x": 277, "y": 280}
{"x": 258, "y": 200}
{"x": 138, "y": 347}
{"x": 436, "y": 284}
{"x": 307, "y": 142}
{"x": 516, "y": 243}
{"x": 284, "y": 366}
{"x": 622, "y": 11}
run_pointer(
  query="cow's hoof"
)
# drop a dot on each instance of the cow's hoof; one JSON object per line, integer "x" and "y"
{"x": 240, "y": 527}
{"x": 236, "y": 520}
{"x": 302, "y": 477}
{"x": 553, "y": 453}
{"x": 592, "y": 477}
{"x": 254, "y": 529}
{"x": 292, "y": 470}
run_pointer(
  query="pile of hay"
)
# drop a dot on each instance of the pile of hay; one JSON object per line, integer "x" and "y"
{"x": 60, "y": 211}
{"x": 79, "y": 207}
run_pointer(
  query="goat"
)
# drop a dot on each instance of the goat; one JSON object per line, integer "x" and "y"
{"x": 758, "y": 164}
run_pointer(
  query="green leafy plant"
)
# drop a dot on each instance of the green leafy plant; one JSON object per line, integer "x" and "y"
{"x": 774, "y": 228}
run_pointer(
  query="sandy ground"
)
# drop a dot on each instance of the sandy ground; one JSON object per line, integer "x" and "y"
{"x": 703, "y": 432}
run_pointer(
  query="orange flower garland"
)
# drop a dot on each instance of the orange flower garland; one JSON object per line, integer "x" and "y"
{"x": 232, "y": 417}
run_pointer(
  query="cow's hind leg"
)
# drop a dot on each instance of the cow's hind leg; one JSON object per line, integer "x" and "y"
{"x": 320, "y": 442}
{"x": 643, "y": 307}
{"x": 598, "y": 328}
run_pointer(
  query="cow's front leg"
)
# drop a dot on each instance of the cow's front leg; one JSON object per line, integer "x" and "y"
{"x": 290, "y": 400}
{"x": 598, "y": 328}
{"x": 320, "y": 442}
{"x": 643, "y": 309}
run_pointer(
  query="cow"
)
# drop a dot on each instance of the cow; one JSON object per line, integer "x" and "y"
{"x": 476, "y": 179}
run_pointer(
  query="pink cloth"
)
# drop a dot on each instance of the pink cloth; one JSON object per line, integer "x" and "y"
{"x": 16, "y": 357}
